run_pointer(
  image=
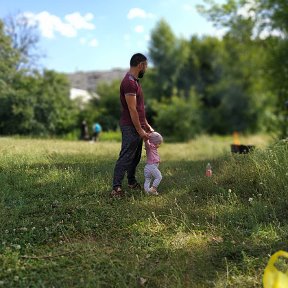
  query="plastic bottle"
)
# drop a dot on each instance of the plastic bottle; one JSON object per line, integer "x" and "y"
{"x": 208, "y": 170}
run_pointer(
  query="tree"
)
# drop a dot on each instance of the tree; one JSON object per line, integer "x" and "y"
{"x": 31, "y": 103}
{"x": 38, "y": 104}
{"x": 274, "y": 15}
{"x": 8, "y": 58}
{"x": 8, "y": 62}
{"x": 164, "y": 55}
{"x": 268, "y": 21}
{"x": 242, "y": 93}
{"x": 202, "y": 67}
{"x": 178, "y": 119}
{"x": 25, "y": 38}
{"x": 55, "y": 113}
{"x": 106, "y": 109}
{"x": 18, "y": 116}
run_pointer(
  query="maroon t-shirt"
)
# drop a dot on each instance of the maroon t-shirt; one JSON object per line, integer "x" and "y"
{"x": 131, "y": 85}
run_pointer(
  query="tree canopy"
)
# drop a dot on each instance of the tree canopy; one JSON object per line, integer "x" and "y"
{"x": 198, "y": 85}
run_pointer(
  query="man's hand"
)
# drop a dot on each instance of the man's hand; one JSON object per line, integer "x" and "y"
{"x": 148, "y": 128}
{"x": 144, "y": 135}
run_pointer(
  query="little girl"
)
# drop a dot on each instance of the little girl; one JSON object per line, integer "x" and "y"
{"x": 151, "y": 171}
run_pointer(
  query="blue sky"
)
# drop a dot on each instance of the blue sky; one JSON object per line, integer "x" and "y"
{"x": 90, "y": 35}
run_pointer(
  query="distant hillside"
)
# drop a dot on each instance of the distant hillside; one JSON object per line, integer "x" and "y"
{"x": 89, "y": 80}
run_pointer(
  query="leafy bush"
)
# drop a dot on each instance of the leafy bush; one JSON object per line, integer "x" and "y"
{"x": 178, "y": 119}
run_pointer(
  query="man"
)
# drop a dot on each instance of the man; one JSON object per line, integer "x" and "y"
{"x": 133, "y": 124}
{"x": 84, "y": 131}
{"x": 96, "y": 131}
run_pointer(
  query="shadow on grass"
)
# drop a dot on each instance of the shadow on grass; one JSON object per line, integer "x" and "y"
{"x": 187, "y": 237}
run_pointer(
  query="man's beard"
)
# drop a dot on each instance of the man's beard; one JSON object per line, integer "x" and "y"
{"x": 141, "y": 74}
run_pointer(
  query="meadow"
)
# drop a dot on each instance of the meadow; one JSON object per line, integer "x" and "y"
{"x": 60, "y": 228}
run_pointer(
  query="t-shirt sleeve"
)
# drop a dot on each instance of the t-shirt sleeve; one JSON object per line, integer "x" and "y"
{"x": 130, "y": 87}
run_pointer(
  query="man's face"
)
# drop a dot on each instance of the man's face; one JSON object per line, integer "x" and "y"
{"x": 143, "y": 67}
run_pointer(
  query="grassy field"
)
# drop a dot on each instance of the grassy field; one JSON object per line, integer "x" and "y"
{"x": 59, "y": 228}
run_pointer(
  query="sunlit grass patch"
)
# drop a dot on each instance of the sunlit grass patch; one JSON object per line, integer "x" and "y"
{"x": 59, "y": 227}
{"x": 265, "y": 233}
{"x": 191, "y": 240}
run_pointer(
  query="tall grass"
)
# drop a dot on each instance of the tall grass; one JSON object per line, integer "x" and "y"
{"x": 59, "y": 228}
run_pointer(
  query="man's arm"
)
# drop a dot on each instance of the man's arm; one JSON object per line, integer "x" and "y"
{"x": 131, "y": 103}
{"x": 149, "y": 129}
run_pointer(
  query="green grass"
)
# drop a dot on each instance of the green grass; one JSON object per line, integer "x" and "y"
{"x": 59, "y": 228}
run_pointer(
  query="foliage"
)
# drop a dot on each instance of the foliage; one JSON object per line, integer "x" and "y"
{"x": 54, "y": 111}
{"x": 177, "y": 118}
{"x": 32, "y": 102}
{"x": 25, "y": 38}
{"x": 59, "y": 227}
{"x": 37, "y": 104}
{"x": 278, "y": 62}
{"x": 104, "y": 110}
{"x": 227, "y": 75}
{"x": 239, "y": 80}
{"x": 241, "y": 94}
{"x": 8, "y": 63}
{"x": 267, "y": 21}
{"x": 8, "y": 60}
{"x": 17, "y": 106}
{"x": 164, "y": 54}
{"x": 109, "y": 105}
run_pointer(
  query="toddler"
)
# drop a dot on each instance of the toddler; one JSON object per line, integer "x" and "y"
{"x": 151, "y": 171}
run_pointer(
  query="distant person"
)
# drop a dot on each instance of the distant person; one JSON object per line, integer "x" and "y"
{"x": 97, "y": 129}
{"x": 84, "y": 131}
{"x": 151, "y": 170}
{"x": 133, "y": 124}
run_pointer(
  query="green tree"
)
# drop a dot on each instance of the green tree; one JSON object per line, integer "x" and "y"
{"x": 165, "y": 57}
{"x": 34, "y": 102}
{"x": 55, "y": 113}
{"x": 178, "y": 118}
{"x": 105, "y": 110}
{"x": 202, "y": 67}
{"x": 268, "y": 21}
{"x": 18, "y": 116}
{"x": 9, "y": 58}
{"x": 8, "y": 63}
{"x": 38, "y": 104}
{"x": 25, "y": 39}
{"x": 274, "y": 15}
{"x": 242, "y": 93}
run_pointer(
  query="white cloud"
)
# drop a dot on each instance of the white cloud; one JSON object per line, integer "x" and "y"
{"x": 49, "y": 24}
{"x": 138, "y": 13}
{"x": 93, "y": 43}
{"x": 139, "y": 29}
{"x": 80, "y": 22}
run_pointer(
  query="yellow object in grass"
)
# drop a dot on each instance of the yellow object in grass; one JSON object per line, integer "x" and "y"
{"x": 274, "y": 278}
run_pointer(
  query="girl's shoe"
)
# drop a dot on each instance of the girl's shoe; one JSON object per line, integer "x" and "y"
{"x": 153, "y": 191}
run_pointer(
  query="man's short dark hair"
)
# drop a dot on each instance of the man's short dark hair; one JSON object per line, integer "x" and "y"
{"x": 136, "y": 59}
